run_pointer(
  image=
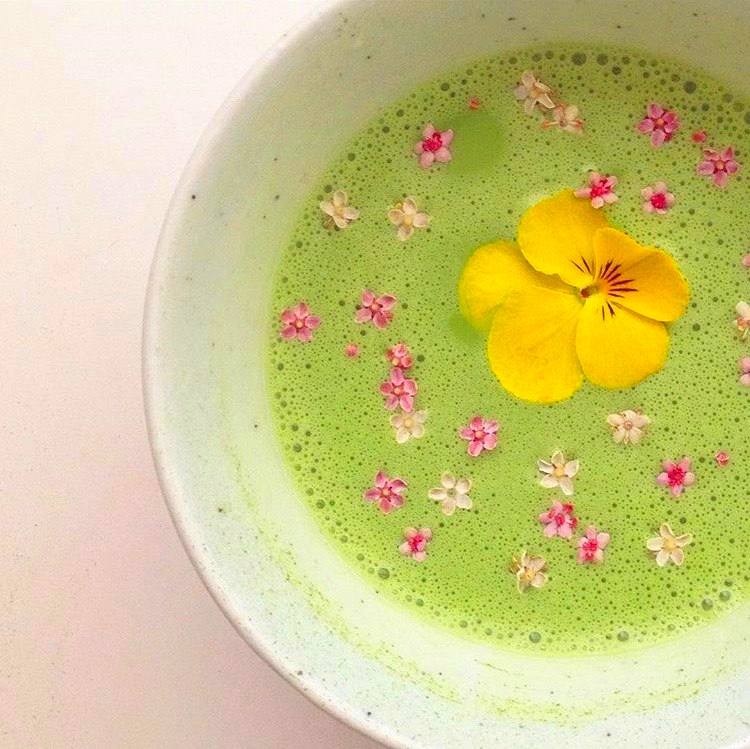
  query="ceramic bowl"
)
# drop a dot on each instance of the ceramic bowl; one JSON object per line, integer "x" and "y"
{"x": 229, "y": 491}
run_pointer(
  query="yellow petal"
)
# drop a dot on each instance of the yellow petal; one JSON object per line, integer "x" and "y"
{"x": 531, "y": 346}
{"x": 619, "y": 348}
{"x": 556, "y": 236}
{"x": 490, "y": 273}
{"x": 661, "y": 293}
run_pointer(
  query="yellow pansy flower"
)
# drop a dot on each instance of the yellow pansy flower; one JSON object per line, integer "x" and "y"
{"x": 573, "y": 298}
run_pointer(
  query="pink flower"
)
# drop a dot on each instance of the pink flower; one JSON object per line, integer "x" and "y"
{"x": 386, "y": 492}
{"x": 746, "y": 261}
{"x": 433, "y": 146}
{"x": 474, "y": 103}
{"x": 399, "y": 356}
{"x": 399, "y": 391}
{"x": 415, "y": 545}
{"x": 718, "y": 165}
{"x": 599, "y": 190}
{"x": 559, "y": 520}
{"x": 699, "y": 136}
{"x": 656, "y": 199}
{"x": 481, "y": 434}
{"x": 298, "y": 323}
{"x": 352, "y": 350}
{"x": 661, "y": 123}
{"x": 591, "y": 546}
{"x": 375, "y": 309}
{"x": 722, "y": 458}
{"x": 745, "y": 369}
{"x": 676, "y": 476}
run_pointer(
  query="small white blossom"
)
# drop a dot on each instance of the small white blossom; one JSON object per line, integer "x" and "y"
{"x": 532, "y": 93}
{"x": 668, "y": 547}
{"x": 529, "y": 571}
{"x": 408, "y": 425}
{"x": 340, "y": 214}
{"x": 566, "y": 117}
{"x": 558, "y": 472}
{"x": 628, "y": 426}
{"x": 407, "y": 217}
{"x": 743, "y": 319}
{"x": 452, "y": 493}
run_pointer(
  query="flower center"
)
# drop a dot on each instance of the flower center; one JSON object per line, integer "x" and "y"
{"x": 433, "y": 143}
{"x": 398, "y": 390}
{"x": 590, "y": 545}
{"x": 669, "y": 544}
{"x": 559, "y": 472}
{"x": 299, "y": 324}
{"x": 478, "y": 434}
{"x": 408, "y": 422}
{"x": 659, "y": 122}
{"x": 628, "y": 425}
{"x": 659, "y": 201}
{"x": 721, "y": 165}
{"x": 600, "y": 188}
{"x": 415, "y": 542}
{"x": 375, "y": 307}
{"x": 676, "y": 476}
{"x": 386, "y": 492}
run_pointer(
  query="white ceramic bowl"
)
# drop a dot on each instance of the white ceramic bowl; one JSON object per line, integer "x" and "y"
{"x": 230, "y": 495}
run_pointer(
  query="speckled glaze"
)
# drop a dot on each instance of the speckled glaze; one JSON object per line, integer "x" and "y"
{"x": 287, "y": 592}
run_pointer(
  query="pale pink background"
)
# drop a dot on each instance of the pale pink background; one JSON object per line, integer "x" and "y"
{"x": 107, "y": 637}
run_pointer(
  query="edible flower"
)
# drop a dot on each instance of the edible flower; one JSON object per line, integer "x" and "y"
{"x": 387, "y": 492}
{"x": 340, "y": 214}
{"x": 352, "y": 350}
{"x": 656, "y": 198}
{"x": 533, "y": 93}
{"x": 375, "y": 309}
{"x": 399, "y": 356}
{"x": 567, "y": 118}
{"x": 591, "y": 546}
{"x": 407, "y": 217}
{"x": 746, "y": 261}
{"x": 481, "y": 435}
{"x": 298, "y": 323}
{"x": 599, "y": 190}
{"x": 408, "y": 425}
{"x": 434, "y": 146}
{"x": 668, "y": 547}
{"x": 745, "y": 371}
{"x": 574, "y": 297}
{"x": 452, "y": 493}
{"x": 660, "y": 123}
{"x": 559, "y": 520}
{"x": 628, "y": 426}
{"x": 415, "y": 543}
{"x": 742, "y": 322}
{"x": 722, "y": 458}
{"x": 719, "y": 165}
{"x": 529, "y": 571}
{"x": 399, "y": 391}
{"x": 676, "y": 476}
{"x": 558, "y": 472}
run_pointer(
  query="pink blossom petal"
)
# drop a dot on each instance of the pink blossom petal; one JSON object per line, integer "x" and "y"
{"x": 646, "y": 126}
{"x": 676, "y": 490}
{"x": 490, "y": 441}
{"x": 654, "y": 111}
{"x": 429, "y": 131}
{"x": 301, "y": 310}
{"x": 476, "y": 423}
{"x": 475, "y": 448}
{"x": 289, "y": 332}
{"x": 466, "y": 433}
{"x": 706, "y": 168}
{"x": 550, "y": 530}
{"x": 689, "y": 479}
{"x": 721, "y": 179}
{"x": 407, "y": 403}
{"x": 662, "y": 479}
{"x": 447, "y": 137}
{"x": 304, "y": 335}
{"x": 442, "y": 155}
{"x": 380, "y": 320}
{"x": 658, "y": 138}
{"x": 426, "y": 159}
{"x": 565, "y": 530}
{"x": 312, "y": 322}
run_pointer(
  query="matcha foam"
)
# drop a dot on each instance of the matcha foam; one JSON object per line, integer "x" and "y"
{"x": 335, "y": 431}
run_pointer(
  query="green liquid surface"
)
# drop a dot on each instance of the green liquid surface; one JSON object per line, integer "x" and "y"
{"x": 335, "y": 431}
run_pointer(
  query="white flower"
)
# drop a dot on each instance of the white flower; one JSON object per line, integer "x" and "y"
{"x": 743, "y": 319}
{"x": 338, "y": 210}
{"x": 558, "y": 472}
{"x": 668, "y": 547}
{"x": 407, "y": 217}
{"x": 532, "y": 92}
{"x": 628, "y": 427}
{"x": 566, "y": 117}
{"x": 408, "y": 425}
{"x": 529, "y": 572}
{"x": 453, "y": 493}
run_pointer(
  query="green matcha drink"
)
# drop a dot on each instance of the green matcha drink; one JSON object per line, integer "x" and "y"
{"x": 611, "y": 518}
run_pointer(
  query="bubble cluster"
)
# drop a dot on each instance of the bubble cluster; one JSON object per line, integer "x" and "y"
{"x": 335, "y": 432}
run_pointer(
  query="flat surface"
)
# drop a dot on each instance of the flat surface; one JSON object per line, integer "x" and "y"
{"x": 107, "y": 637}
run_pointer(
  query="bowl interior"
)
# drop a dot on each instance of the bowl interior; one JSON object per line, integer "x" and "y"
{"x": 228, "y": 487}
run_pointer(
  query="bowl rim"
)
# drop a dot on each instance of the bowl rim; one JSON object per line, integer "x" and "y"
{"x": 199, "y": 159}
